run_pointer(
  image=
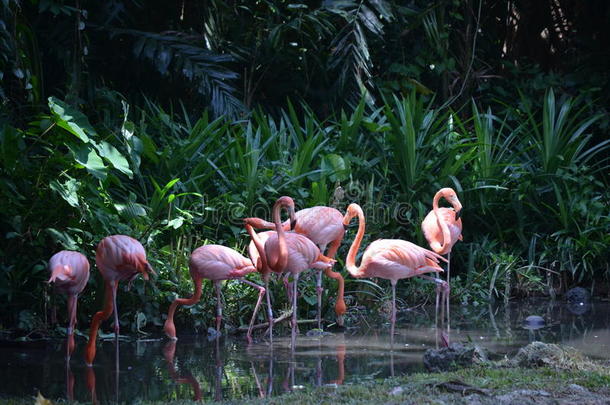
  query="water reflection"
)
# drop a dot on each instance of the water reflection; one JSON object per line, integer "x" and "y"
{"x": 169, "y": 351}
{"x": 229, "y": 368}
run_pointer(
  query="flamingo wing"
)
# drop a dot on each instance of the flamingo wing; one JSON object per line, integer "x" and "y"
{"x": 320, "y": 224}
{"x": 216, "y": 262}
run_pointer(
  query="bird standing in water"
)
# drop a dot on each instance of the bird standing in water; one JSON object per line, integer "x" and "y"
{"x": 324, "y": 227}
{"x": 118, "y": 257}
{"x": 287, "y": 252}
{"x": 392, "y": 259}
{"x": 70, "y": 273}
{"x": 215, "y": 263}
{"x": 442, "y": 228}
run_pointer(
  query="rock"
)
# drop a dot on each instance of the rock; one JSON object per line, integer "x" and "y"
{"x": 538, "y": 354}
{"x": 522, "y": 397}
{"x": 577, "y": 295}
{"x": 578, "y": 308}
{"x": 577, "y": 388}
{"x": 453, "y": 357}
{"x": 534, "y": 322}
{"x": 317, "y": 333}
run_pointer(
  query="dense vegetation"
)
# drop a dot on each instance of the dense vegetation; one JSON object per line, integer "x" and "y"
{"x": 171, "y": 122}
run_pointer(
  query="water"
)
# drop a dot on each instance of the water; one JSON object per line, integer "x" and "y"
{"x": 228, "y": 368}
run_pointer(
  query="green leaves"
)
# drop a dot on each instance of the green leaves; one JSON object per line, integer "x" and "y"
{"x": 70, "y": 119}
{"x": 90, "y": 152}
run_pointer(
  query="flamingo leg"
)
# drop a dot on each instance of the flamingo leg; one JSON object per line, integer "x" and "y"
{"x": 72, "y": 301}
{"x": 340, "y": 306}
{"x": 393, "y": 320}
{"x": 444, "y": 292}
{"x": 270, "y": 376}
{"x": 288, "y": 287}
{"x": 218, "y": 305}
{"x": 269, "y": 309}
{"x": 261, "y": 292}
{"x": 448, "y": 289}
{"x": 69, "y": 381}
{"x": 319, "y": 292}
{"x": 114, "y": 285}
{"x": 294, "y": 306}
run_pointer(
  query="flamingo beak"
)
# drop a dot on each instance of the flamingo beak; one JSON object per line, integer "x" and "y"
{"x": 346, "y": 226}
{"x": 293, "y": 224}
{"x": 458, "y": 214}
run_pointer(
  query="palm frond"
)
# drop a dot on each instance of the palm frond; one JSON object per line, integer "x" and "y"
{"x": 185, "y": 55}
{"x": 350, "y": 47}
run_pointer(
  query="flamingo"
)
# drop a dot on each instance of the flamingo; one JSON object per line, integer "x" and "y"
{"x": 286, "y": 252}
{"x": 392, "y": 259}
{"x": 442, "y": 228}
{"x": 324, "y": 227}
{"x": 118, "y": 257}
{"x": 70, "y": 273}
{"x": 216, "y": 263}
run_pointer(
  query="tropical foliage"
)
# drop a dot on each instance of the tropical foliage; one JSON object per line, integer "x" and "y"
{"x": 171, "y": 123}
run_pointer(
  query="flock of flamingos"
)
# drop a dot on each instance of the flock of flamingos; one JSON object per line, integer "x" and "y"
{"x": 292, "y": 247}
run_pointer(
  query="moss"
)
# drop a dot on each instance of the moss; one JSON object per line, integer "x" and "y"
{"x": 425, "y": 388}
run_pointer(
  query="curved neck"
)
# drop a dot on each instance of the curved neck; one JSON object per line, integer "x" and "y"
{"x": 441, "y": 222}
{"x": 260, "y": 246}
{"x": 350, "y": 262}
{"x": 282, "y": 257}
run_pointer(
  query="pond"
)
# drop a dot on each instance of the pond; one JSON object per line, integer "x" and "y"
{"x": 229, "y": 368}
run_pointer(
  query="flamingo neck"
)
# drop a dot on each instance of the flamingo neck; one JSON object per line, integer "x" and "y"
{"x": 350, "y": 262}
{"x": 282, "y": 258}
{"x": 441, "y": 222}
{"x": 260, "y": 246}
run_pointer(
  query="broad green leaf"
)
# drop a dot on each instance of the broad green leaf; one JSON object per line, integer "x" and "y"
{"x": 335, "y": 166}
{"x": 115, "y": 157}
{"x": 70, "y": 119}
{"x": 88, "y": 157}
{"x": 68, "y": 190}
{"x": 130, "y": 210}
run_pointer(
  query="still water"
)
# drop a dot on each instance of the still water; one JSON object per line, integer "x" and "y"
{"x": 229, "y": 368}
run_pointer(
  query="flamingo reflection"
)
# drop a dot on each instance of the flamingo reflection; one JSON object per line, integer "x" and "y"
{"x": 169, "y": 352}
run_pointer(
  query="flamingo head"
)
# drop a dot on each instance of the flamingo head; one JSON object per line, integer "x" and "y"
{"x": 256, "y": 223}
{"x": 450, "y": 195}
{"x": 353, "y": 210}
{"x": 288, "y": 203}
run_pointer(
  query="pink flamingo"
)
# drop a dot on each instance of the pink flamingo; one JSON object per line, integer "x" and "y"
{"x": 324, "y": 227}
{"x": 118, "y": 257}
{"x": 215, "y": 263}
{"x": 288, "y": 252}
{"x": 442, "y": 228}
{"x": 392, "y": 259}
{"x": 70, "y": 273}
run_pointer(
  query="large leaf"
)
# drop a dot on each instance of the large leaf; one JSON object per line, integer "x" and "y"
{"x": 70, "y": 119}
{"x": 88, "y": 157}
{"x": 68, "y": 190}
{"x": 115, "y": 157}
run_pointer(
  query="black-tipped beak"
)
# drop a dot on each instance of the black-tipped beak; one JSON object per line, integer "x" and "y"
{"x": 293, "y": 224}
{"x": 458, "y": 214}
{"x": 345, "y": 227}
